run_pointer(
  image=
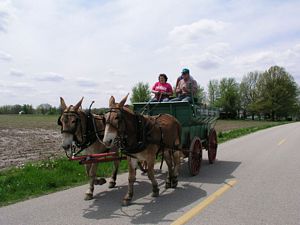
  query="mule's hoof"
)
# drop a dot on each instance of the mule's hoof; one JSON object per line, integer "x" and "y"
{"x": 112, "y": 184}
{"x": 155, "y": 193}
{"x": 126, "y": 202}
{"x": 167, "y": 185}
{"x": 100, "y": 181}
{"x": 174, "y": 182}
{"x": 88, "y": 197}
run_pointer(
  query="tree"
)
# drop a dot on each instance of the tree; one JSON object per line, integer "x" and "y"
{"x": 229, "y": 97}
{"x": 248, "y": 93}
{"x": 28, "y": 109}
{"x": 140, "y": 93}
{"x": 278, "y": 93}
{"x": 200, "y": 95}
{"x": 213, "y": 92}
{"x": 43, "y": 108}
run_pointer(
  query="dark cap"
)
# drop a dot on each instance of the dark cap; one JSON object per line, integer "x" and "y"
{"x": 185, "y": 71}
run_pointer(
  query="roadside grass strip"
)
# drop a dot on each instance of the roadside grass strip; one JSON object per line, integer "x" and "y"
{"x": 35, "y": 179}
{"x": 228, "y": 135}
{"x": 202, "y": 205}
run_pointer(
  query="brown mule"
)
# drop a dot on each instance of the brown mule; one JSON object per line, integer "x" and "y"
{"x": 78, "y": 127}
{"x": 142, "y": 138}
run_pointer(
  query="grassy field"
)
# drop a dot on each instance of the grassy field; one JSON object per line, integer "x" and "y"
{"x": 34, "y": 179}
{"x": 29, "y": 121}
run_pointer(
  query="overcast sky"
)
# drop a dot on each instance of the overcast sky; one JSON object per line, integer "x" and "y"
{"x": 95, "y": 49}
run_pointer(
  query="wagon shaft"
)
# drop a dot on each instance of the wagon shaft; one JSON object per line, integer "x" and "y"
{"x": 95, "y": 158}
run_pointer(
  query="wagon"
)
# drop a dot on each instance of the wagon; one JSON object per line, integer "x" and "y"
{"x": 197, "y": 124}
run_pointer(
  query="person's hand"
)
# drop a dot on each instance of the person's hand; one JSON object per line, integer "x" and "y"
{"x": 185, "y": 89}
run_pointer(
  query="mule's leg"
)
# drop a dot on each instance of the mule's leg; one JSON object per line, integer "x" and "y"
{"x": 176, "y": 157}
{"x": 150, "y": 173}
{"x": 91, "y": 170}
{"x": 132, "y": 163}
{"x": 168, "y": 160}
{"x": 112, "y": 182}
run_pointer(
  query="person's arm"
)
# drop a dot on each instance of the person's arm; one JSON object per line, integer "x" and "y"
{"x": 177, "y": 82}
{"x": 178, "y": 88}
{"x": 169, "y": 90}
{"x": 153, "y": 89}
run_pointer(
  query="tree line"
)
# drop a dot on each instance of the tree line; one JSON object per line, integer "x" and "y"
{"x": 45, "y": 109}
{"x": 272, "y": 94}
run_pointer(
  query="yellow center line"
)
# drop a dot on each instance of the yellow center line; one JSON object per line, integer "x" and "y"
{"x": 281, "y": 142}
{"x": 198, "y": 208}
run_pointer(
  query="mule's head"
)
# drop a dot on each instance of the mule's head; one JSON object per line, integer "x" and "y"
{"x": 69, "y": 122}
{"x": 113, "y": 121}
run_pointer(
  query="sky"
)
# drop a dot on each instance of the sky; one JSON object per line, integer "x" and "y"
{"x": 99, "y": 48}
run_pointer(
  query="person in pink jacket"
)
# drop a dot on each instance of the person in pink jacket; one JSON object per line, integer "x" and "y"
{"x": 161, "y": 89}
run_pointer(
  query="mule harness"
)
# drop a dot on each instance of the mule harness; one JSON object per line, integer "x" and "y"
{"x": 143, "y": 131}
{"x": 88, "y": 136}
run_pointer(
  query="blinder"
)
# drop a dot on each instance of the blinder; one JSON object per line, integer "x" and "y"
{"x": 59, "y": 123}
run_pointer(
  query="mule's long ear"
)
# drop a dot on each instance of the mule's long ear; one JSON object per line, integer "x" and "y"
{"x": 76, "y": 107}
{"x": 121, "y": 104}
{"x": 62, "y": 104}
{"x": 112, "y": 102}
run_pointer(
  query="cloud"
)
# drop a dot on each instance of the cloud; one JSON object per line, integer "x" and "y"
{"x": 90, "y": 91}
{"x": 197, "y": 30}
{"x": 6, "y": 14}
{"x": 20, "y": 86}
{"x": 262, "y": 57}
{"x": 16, "y": 73}
{"x": 5, "y": 56}
{"x": 85, "y": 82}
{"x": 205, "y": 61}
{"x": 219, "y": 48}
{"x": 49, "y": 77}
{"x": 209, "y": 61}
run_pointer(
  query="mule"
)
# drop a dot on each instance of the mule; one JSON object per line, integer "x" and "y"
{"x": 86, "y": 130}
{"x": 142, "y": 138}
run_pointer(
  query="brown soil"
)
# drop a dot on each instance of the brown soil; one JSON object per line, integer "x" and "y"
{"x": 21, "y": 145}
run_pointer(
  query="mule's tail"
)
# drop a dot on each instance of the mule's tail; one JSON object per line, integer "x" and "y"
{"x": 178, "y": 136}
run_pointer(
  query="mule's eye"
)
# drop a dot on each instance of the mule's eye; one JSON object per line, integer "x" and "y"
{"x": 73, "y": 121}
{"x": 116, "y": 117}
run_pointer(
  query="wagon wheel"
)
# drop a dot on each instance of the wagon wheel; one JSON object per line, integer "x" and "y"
{"x": 212, "y": 145}
{"x": 195, "y": 156}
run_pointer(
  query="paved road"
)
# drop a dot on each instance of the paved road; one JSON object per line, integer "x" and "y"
{"x": 265, "y": 166}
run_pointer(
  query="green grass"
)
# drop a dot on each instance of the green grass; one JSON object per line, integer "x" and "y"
{"x": 44, "y": 177}
{"x": 231, "y": 134}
